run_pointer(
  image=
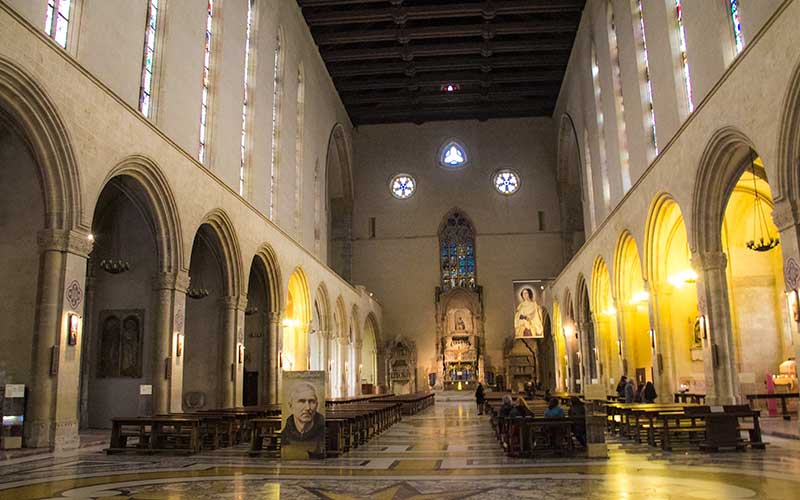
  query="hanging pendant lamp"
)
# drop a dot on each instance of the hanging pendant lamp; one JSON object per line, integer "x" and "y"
{"x": 763, "y": 240}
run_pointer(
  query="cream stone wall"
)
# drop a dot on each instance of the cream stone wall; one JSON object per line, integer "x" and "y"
{"x": 104, "y": 133}
{"x": 401, "y": 264}
{"x": 742, "y": 101}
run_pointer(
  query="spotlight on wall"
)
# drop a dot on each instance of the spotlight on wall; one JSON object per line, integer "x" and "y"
{"x": 682, "y": 278}
{"x": 74, "y": 324}
{"x": 240, "y": 353}
{"x": 90, "y": 237}
{"x": 178, "y": 345}
{"x": 639, "y": 297}
{"x": 290, "y": 323}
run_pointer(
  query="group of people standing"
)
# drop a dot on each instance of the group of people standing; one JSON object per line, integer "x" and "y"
{"x": 629, "y": 392}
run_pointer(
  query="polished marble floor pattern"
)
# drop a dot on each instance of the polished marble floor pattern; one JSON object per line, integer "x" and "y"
{"x": 445, "y": 452}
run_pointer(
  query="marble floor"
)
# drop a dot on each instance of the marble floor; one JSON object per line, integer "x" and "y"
{"x": 445, "y": 452}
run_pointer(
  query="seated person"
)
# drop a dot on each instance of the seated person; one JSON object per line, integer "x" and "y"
{"x": 521, "y": 409}
{"x": 553, "y": 410}
{"x": 578, "y": 411}
{"x": 506, "y": 407}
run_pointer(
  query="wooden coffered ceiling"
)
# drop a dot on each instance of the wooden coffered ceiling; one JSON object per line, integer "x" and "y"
{"x": 391, "y": 59}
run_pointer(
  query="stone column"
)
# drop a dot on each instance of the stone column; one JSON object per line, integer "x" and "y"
{"x": 167, "y": 367}
{"x": 231, "y": 372}
{"x": 88, "y": 346}
{"x": 722, "y": 379}
{"x": 786, "y": 216}
{"x": 273, "y": 345}
{"x": 52, "y": 416}
{"x": 358, "y": 368}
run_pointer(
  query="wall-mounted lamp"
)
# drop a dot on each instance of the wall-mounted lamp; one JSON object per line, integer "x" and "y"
{"x": 178, "y": 345}
{"x": 74, "y": 322}
{"x": 240, "y": 353}
{"x": 290, "y": 323}
{"x": 703, "y": 324}
{"x": 639, "y": 297}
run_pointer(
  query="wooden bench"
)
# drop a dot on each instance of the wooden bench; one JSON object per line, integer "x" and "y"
{"x": 162, "y": 433}
{"x": 783, "y": 396}
{"x": 713, "y": 428}
{"x": 689, "y": 397}
{"x": 534, "y": 436}
{"x": 265, "y": 429}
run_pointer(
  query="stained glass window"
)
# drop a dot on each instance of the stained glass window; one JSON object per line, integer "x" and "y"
{"x": 457, "y": 252}
{"x": 738, "y": 36}
{"x": 402, "y": 186}
{"x": 601, "y": 139}
{"x": 453, "y": 155}
{"x": 146, "y": 87}
{"x": 206, "y": 78}
{"x": 245, "y": 101}
{"x": 56, "y": 23}
{"x": 650, "y": 110}
{"x": 277, "y": 82}
{"x": 506, "y": 182}
{"x": 687, "y": 81}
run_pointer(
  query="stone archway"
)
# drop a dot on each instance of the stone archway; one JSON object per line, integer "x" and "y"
{"x": 339, "y": 207}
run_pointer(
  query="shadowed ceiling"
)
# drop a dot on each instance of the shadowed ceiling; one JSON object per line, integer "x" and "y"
{"x": 393, "y": 60}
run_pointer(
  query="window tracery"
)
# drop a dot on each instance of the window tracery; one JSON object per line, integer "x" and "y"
{"x": 506, "y": 182}
{"x": 402, "y": 186}
{"x": 457, "y": 253}
{"x": 453, "y": 155}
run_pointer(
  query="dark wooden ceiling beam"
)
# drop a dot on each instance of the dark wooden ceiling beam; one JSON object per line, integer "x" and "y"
{"x": 439, "y": 79}
{"x": 478, "y": 112}
{"x": 335, "y": 3}
{"x": 444, "y": 31}
{"x": 389, "y": 13}
{"x": 448, "y": 64}
{"x": 411, "y": 100}
{"x": 463, "y": 48}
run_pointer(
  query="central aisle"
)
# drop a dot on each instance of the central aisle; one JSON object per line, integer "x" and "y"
{"x": 444, "y": 452}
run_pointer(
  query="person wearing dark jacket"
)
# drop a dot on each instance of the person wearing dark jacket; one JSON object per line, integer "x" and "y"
{"x": 578, "y": 411}
{"x": 621, "y": 387}
{"x": 507, "y": 406}
{"x": 480, "y": 398}
{"x": 650, "y": 393}
{"x": 521, "y": 409}
{"x": 630, "y": 392}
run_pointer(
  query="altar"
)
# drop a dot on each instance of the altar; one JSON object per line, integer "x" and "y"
{"x": 459, "y": 339}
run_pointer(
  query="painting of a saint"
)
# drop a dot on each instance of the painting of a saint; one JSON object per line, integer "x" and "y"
{"x": 528, "y": 316}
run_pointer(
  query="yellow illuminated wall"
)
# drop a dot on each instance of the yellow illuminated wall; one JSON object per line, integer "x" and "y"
{"x": 755, "y": 286}
{"x": 633, "y": 311}
{"x": 605, "y": 320}
{"x": 295, "y": 323}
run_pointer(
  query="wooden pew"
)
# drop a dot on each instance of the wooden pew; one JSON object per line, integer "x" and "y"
{"x": 161, "y": 433}
{"x": 784, "y": 396}
{"x": 713, "y": 428}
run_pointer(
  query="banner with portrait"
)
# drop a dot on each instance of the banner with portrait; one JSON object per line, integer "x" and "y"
{"x": 303, "y": 413}
{"x": 528, "y": 314}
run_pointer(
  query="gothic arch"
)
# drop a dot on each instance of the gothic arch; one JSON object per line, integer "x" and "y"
{"x": 341, "y": 313}
{"x": 787, "y": 180}
{"x": 143, "y": 182}
{"x": 231, "y": 258}
{"x": 269, "y": 259}
{"x": 654, "y": 227}
{"x": 25, "y": 105}
{"x": 321, "y": 298}
{"x": 339, "y": 202}
{"x": 720, "y": 167}
{"x": 626, "y": 248}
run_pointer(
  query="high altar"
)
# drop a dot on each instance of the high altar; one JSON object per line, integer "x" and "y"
{"x": 459, "y": 338}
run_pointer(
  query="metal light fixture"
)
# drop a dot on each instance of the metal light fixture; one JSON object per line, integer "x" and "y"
{"x": 197, "y": 292}
{"x": 250, "y": 310}
{"x": 115, "y": 263}
{"x": 762, "y": 240}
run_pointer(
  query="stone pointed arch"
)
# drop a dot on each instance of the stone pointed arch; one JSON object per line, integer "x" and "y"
{"x": 567, "y": 308}
{"x": 321, "y": 297}
{"x": 654, "y": 227}
{"x": 302, "y": 304}
{"x": 144, "y": 183}
{"x": 269, "y": 260}
{"x": 373, "y": 322}
{"x": 725, "y": 157}
{"x": 339, "y": 202}
{"x": 600, "y": 278}
{"x": 787, "y": 181}
{"x": 582, "y": 300}
{"x": 626, "y": 245}
{"x": 355, "y": 324}
{"x": 222, "y": 226}
{"x": 341, "y": 313}
{"x": 26, "y": 107}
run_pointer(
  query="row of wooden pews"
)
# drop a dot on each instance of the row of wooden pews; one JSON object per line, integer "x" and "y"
{"x": 670, "y": 425}
{"x": 350, "y": 422}
{"x": 532, "y": 436}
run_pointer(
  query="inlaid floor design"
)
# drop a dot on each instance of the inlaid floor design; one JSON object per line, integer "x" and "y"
{"x": 445, "y": 452}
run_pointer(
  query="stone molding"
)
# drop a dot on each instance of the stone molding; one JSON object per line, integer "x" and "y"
{"x": 63, "y": 240}
{"x": 238, "y": 302}
{"x": 785, "y": 215}
{"x": 709, "y": 261}
{"x": 178, "y": 281}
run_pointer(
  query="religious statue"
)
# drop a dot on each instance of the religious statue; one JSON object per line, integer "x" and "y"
{"x": 528, "y": 316}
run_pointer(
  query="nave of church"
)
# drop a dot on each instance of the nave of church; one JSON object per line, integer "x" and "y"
{"x": 446, "y": 451}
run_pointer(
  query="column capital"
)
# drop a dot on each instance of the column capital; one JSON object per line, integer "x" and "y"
{"x": 63, "y": 240}
{"x": 171, "y": 281}
{"x": 785, "y": 215}
{"x": 238, "y": 302}
{"x": 274, "y": 317}
{"x": 709, "y": 261}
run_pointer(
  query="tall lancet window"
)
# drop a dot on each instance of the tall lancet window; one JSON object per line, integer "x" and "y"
{"x": 619, "y": 101}
{"x": 277, "y": 94}
{"x": 644, "y": 78}
{"x": 146, "y": 85}
{"x": 244, "y": 173}
{"x": 201, "y": 156}
{"x": 457, "y": 252}
{"x": 736, "y": 20}
{"x": 684, "y": 56}
{"x": 56, "y": 23}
